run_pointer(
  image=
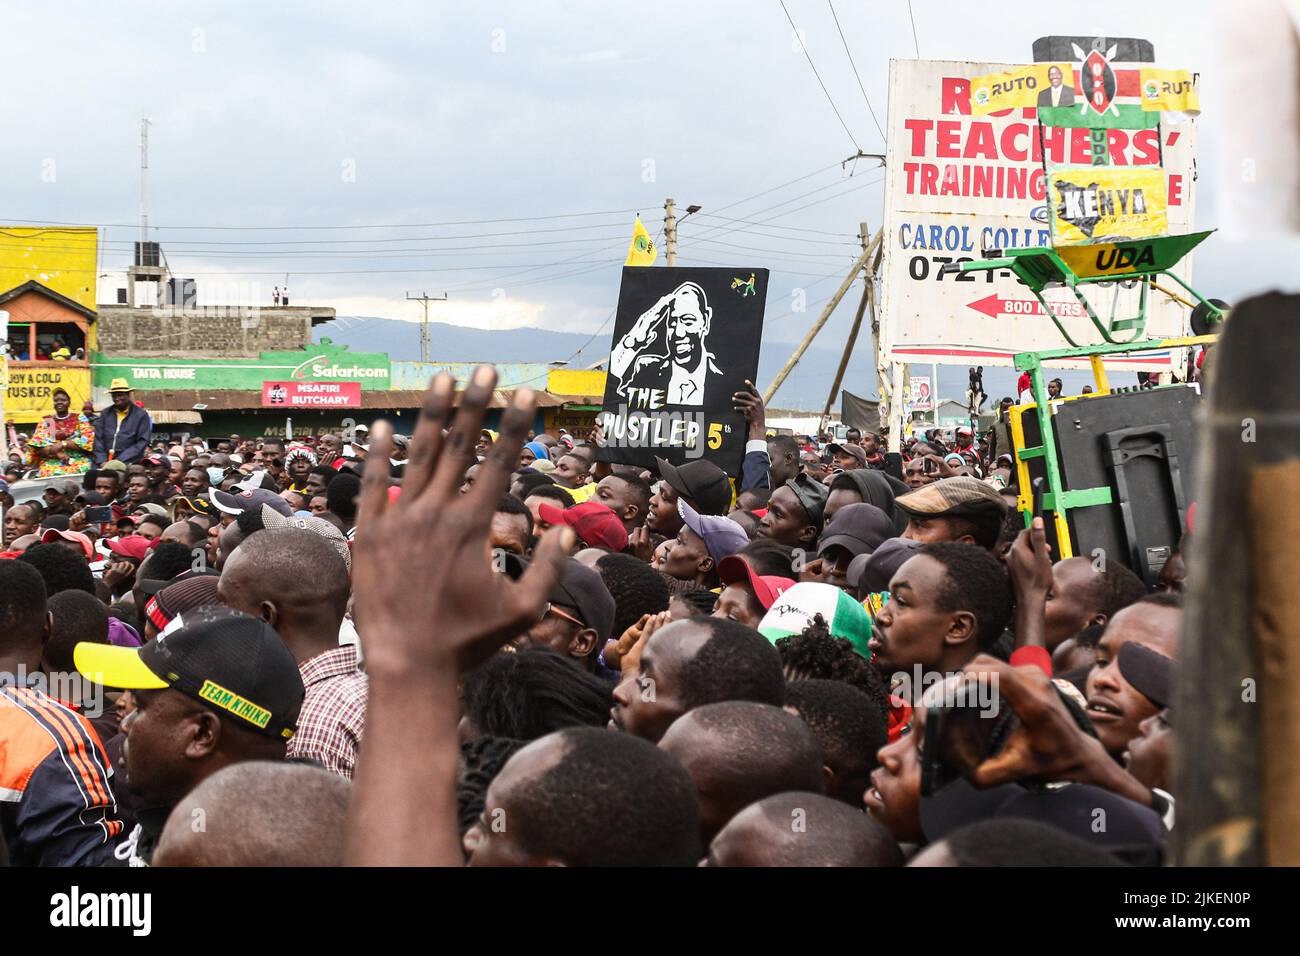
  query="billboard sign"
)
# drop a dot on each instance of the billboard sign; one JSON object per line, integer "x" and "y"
{"x": 960, "y": 183}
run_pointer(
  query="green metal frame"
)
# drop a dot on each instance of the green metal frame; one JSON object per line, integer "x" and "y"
{"x": 1039, "y": 267}
{"x": 1055, "y": 499}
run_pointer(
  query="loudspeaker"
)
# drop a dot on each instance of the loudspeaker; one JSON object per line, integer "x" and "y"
{"x": 1142, "y": 446}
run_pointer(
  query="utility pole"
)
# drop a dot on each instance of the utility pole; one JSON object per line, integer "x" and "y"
{"x": 861, "y": 261}
{"x": 144, "y": 179}
{"x": 868, "y": 278}
{"x": 670, "y": 230}
{"x": 424, "y": 299}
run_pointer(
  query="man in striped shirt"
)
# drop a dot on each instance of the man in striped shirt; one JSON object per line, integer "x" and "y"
{"x": 296, "y": 580}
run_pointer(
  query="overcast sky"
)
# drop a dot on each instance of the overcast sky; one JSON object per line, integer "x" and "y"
{"x": 373, "y": 115}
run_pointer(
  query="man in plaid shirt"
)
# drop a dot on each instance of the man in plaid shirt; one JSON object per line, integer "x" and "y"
{"x": 296, "y": 579}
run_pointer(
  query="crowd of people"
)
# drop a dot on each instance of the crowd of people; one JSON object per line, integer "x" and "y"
{"x": 509, "y": 647}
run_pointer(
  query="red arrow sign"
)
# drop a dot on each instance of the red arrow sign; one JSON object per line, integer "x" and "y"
{"x": 994, "y": 305}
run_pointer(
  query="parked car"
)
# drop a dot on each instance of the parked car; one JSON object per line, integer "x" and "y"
{"x": 31, "y": 488}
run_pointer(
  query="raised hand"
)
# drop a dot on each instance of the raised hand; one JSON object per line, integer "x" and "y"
{"x": 462, "y": 610}
{"x": 427, "y": 604}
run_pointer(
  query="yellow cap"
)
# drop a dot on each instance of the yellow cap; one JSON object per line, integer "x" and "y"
{"x": 120, "y": 385}
{"x": 112, "y": 666}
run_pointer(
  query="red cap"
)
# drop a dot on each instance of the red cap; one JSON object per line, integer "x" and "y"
{"x": 591, "y": 521}
{"x": 50, "y": 534}
{"x": 734, "y": 569}
{"x": 130, "y": 546}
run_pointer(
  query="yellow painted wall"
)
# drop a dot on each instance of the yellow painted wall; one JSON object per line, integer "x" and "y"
{"x": 564, "y": 381}
{"x": 29, "y": 394}
{"x": 61, "y": 258}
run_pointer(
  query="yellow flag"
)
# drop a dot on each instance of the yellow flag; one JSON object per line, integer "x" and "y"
{"x": 642, "y": 251}
{"x": 1172, "y": 91}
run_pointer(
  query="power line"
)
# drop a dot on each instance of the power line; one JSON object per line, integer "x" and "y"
{"x": 804, "y": 48}
{"x": 797, "y": 179}
{"x": 751, "y": 222}
{"x": 830, "y": 4}
{"x": 306, "y": 242}
{"x": 391, "y": 225}
{"x": 915, "y": 45}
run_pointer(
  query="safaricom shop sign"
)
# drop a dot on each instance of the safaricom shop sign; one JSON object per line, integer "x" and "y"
{"x": 315, "y": 369}
{"x": 321, "y": 363}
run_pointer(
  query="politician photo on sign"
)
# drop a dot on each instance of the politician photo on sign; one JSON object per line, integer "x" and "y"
{"x": 1057, "y": 94}
{"x": 666, "y": 351}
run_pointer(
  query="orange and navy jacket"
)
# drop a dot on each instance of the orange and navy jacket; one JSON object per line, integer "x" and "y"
{"x": 56, "y": 804}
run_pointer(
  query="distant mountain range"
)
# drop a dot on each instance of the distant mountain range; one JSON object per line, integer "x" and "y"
{"x": 804, "y": 389}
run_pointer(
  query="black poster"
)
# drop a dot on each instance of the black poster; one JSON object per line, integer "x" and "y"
{"x": 685, "y": 340}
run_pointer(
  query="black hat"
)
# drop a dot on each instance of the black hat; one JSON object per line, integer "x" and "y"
{"x": 233, "y": 504}
{"x": 579, "y": 588}
{"x": 869, "y": 573}
{"x": 1132, "y": 832}
{"x": 812, "y": 494}
{"x": 583, "y": 589}
{"x": 227, "y": 660}
{"x": 1150, "y": 673}
{"x": 700, "y": 482}
{"x": 859, "y": 528}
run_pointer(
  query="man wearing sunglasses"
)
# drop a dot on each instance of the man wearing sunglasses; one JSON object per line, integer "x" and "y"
{"x": 578, "y": 619}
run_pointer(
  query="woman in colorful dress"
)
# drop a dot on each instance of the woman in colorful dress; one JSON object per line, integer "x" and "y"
{"x": 62, "y": 442}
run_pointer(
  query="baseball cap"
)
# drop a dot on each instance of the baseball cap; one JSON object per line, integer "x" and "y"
{"x": 249, "y": 500}
{"x": 869, "y": 573}
{"x": 797, "y": 607}
{"x": 272, "y": 519}
{"x": 591, "y": 521}
{"x": 155, "y": 585}
{"x": 812, "y": 494}
{"x": 225, "y": 659}
{"x": 130, "y": 546}
{"x": 1150, "y": 673}
{"x": 186, "y": 592}
{"x": 858, "y": 528}
{"x": 155, "y": 460}
{"x": 722, "y": 536}
{"x": 93, "y": 498}
{"x": 51, "y": 534}
{"x": 114, "y": 465}
{"x": 962, "y": 495}
{"x": 258, "y": 479}
{"x": 700, "y": 481}
{"x": 583, "y": 589}
{"x": 152, "y": 508}
{"x": 199, "y": 505}
{"x": 766, "y": 588}
{"x": 68, "y": 488}
{"x": 857, "y": 451}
